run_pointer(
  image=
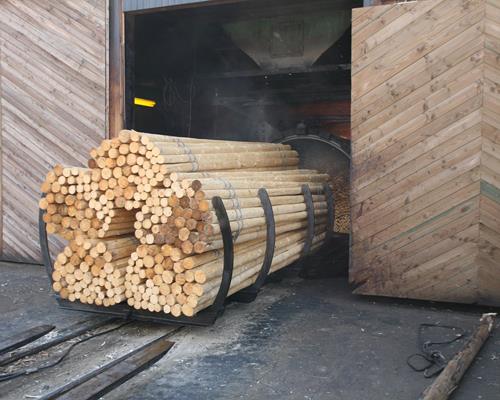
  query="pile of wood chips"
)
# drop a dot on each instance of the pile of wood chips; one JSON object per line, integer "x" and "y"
{"x": 142, "y": 230}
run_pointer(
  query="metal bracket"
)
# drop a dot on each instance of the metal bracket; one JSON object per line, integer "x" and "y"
{"x": 227, "y": 273}
{"x": 249, "y": 294}
{"x": 44, "y": 245}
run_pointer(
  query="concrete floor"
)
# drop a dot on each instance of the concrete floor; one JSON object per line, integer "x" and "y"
{"x": 301, "y": 339}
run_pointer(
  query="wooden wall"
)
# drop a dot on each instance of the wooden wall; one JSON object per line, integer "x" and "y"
{"x": 489, "y": 199}
{"x": 426, "y": 150}
{"x": 53, "y": 102}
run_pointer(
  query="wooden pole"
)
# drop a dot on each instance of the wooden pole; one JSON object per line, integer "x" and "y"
{"x": 116, "y": 68}
{"x": 449, "y": 378}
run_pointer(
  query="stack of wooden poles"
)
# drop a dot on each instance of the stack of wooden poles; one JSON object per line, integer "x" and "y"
{"x": 142, "y": 228}
{"x": 93, "y": 271}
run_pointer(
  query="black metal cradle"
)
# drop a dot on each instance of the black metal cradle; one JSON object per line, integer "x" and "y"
{"x": 207, "y": 316}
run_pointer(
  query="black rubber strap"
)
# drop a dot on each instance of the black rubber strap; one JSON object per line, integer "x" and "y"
{"x": 270, "y": 238}
{"x": 44, "y": 244}
{"x": 227, "y": 240}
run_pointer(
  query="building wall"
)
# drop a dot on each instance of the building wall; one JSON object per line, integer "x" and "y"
{"x": 53, "y": 104}
{"x": 426, "y": 150}
{"x": 489, "y": 200}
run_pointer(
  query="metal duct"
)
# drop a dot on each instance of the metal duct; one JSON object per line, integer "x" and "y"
{"x": 289, "y": 42}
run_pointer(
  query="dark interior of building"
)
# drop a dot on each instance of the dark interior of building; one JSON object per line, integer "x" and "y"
{"x": 254, "y": 76}
{"x": 248, "y": 72}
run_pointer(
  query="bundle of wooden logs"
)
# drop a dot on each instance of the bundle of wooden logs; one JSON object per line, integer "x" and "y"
{"x": 93, "y": 270}
{"x": 142, "y": 228}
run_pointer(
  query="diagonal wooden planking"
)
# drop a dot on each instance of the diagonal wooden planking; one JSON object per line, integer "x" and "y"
{"x": 362, "y": 17}
{"x": 457, "y": 114}
{"x": 365, "y": 46}
{"x": 424, "y": 154}
{"x": 420, "y": 183}
{"x": 415, "y": 110}
{"x": 443, "y": 24}
{"x": 431, "y": 246}
{"x": 422, "y": 71}
{"x": 53, "y": 67}
{"x": 412, "y": 206}
{"x": 426, "y": 151}
{"x": 370, "y": 122}
{"x": 389, "y": 15}
{"x": 489, "y": 229}
{"x": 388, "y": 257}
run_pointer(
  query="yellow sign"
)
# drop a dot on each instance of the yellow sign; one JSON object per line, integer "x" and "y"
{"x": 144, "y": 102}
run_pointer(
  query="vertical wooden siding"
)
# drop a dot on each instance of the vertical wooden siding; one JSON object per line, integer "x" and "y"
{"x": 425, "y": 151}
{"x": 53, "y": 68}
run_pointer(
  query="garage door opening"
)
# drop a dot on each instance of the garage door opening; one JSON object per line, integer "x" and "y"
{"x": 250, "y": 71}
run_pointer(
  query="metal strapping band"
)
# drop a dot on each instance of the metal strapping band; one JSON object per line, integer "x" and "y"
{"x": 236, "y": 204}
{"x": 194, "y": 162}
{"x": 187, "y": 151}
